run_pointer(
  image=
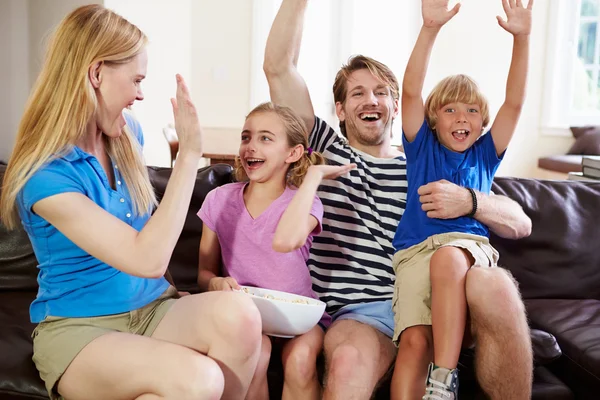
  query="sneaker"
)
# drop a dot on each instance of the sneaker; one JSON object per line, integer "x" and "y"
{"x": 442, "y": 383}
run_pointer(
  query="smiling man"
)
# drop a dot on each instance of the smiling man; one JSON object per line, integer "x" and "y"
{"x": 351, "y": 260}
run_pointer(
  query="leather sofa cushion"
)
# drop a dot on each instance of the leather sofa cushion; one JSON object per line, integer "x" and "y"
{"x": 574, "y": 323}
{"x": 561, "y": 163}
{"x": 560, "y": 260}
{"x": 18, "y": 375}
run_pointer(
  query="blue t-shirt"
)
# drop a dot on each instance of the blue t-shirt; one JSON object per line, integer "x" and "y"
{"x": 72, "y": 283}
{"x": 427, "y": 160}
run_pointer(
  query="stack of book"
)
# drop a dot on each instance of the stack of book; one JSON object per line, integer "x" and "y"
{"x": 590, "y": 170}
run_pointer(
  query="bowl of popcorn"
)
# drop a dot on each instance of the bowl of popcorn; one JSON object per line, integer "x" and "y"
{"x": 285, "y": 314}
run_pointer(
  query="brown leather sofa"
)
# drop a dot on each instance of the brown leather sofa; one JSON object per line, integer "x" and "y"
{"x": 558, "y": 269}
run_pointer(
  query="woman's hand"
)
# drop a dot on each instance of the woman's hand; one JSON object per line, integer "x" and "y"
{"x": 518, "y": 18}
{"x": 436, "y": 13}
{"x": 225, "y": 284}
{"x": 187, "y": 124}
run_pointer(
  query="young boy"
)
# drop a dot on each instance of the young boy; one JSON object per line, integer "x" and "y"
{"x": 443, "y": 140}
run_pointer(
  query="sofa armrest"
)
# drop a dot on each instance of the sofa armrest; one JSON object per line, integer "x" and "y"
{"x": 545, "y": 347}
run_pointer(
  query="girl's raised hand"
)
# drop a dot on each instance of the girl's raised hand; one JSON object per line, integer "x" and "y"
{"x": 187, "y": 124}
{"x": 436, "y": 14}
{"x": 331, "y": 171}
{"x": 518, "y": 18}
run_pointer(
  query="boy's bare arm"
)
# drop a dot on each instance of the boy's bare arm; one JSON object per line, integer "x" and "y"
{"x": 518, "y": 24}
{"x": 435, "y": 15}
{"x": 286, "y": 85}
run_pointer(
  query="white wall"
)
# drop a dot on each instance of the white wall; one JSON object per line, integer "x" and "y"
{"x": 14, "y": 78}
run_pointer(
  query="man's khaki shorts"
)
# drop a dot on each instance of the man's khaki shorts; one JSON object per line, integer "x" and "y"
{"x": 57, "y": 341}
{"x": 412, "y": 291}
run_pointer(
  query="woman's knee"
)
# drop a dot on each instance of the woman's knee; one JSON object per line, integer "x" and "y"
{"x": 449, "y": 264}
{"x": 265, "y": 354}
{"x": 240, "y": 321}
{"x": 416, "y": 341}
{"x": 196, "y": 377}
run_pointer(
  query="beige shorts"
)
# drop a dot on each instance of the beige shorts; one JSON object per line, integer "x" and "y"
{"x": 57, "y": 341}
{"x": 412, "y": 291}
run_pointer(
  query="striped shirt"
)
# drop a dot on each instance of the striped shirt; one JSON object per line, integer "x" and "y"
{"x": 351, "y": 260}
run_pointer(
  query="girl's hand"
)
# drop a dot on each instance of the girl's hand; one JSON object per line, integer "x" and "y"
{"x": 187, "y": 125}
{"x": 225, "y": 284}
{"x": 331, "y": 171}
{"x": 518, "y": 18}
{"x": 436, "y": 14}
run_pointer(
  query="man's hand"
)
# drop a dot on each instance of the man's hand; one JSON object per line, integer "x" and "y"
{"x": 225, "y": 284}
{"x": 445, "y": 200}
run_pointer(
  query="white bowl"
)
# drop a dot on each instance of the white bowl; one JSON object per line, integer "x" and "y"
{"x": 285, "y": 314}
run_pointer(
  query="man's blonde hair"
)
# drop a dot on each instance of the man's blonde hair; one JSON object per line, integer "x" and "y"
{"x": 63, "y": 102}
{"x": 455, "y": 89}
{"x": 356, "y": 63}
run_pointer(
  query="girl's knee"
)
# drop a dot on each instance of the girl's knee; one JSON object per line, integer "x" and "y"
{"x": 300, "y": 365}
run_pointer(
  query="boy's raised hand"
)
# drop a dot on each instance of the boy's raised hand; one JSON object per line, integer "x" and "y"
{"x": 436, "y": 13}
{"x": 518, "y": 18}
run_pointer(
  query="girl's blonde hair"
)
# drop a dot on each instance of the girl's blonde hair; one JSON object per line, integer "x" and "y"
{"x": 453, "y": 89}
{"x": 296, "y": 132}
{"x": 63, "y": 102}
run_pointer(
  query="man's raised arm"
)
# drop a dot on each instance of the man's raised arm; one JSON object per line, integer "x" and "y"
{"x": 286, "y": 85}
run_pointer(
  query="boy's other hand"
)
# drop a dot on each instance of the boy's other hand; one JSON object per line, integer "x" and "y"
{"x": 518, "y": 18}
{"x": 436, "y": 13}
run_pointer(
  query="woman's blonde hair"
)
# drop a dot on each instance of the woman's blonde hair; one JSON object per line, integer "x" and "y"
{"x": 63, "y": 102}
{"x": 453, "y": 89}
{"x": 297, "y": 133}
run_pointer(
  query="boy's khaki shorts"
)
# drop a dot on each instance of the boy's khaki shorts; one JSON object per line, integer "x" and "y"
{"x": 57, "y": 341}
{"x": 412, "y": 291}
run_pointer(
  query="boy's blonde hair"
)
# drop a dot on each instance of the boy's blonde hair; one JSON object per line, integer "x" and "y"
{"x": 453, "y": 89}
{"x": 356, "y": 63}
{"x": 63, "y": 102}
{"x": 296, "y": 133}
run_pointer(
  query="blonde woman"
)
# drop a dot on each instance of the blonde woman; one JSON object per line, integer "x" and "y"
{"x": 109, "y": 326}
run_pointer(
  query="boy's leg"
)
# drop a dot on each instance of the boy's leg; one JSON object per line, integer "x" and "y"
{"x": 223, "y": 325}
{"x": 415, "y": 352}
{"x": 358, "y": 350}
{"x": 259, "y": 387}
{"x": 504, "y": 360}
{"x": 448, "y": 271}
{"x": 299, "y": 358}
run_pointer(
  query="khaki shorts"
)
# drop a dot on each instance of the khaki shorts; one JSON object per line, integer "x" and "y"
{"x": 57, "y": 341}
{"x": 412, "y": 291}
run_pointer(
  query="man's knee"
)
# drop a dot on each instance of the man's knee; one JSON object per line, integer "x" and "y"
{"x": 492, "y": 294}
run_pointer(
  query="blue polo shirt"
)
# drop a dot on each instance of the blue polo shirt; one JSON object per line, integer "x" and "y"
{"x": 427, "y": 160}
{"x": 72, "y": 283}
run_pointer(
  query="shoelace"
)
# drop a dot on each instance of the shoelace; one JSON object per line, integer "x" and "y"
{"x": 438, "y": 391}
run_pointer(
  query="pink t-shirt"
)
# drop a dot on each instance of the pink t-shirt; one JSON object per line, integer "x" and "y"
{"x": 246, "y": 242}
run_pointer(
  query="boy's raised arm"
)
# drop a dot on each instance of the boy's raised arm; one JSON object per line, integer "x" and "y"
{"x": 435, "y": 15}
{"x": 518, "y": 23}
{"x": 286, "y": 85}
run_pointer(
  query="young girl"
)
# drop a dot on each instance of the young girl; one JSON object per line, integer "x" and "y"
{"x": 260, "y": 229}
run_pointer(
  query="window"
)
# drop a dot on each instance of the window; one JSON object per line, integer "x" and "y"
{"x": 573, "y": 65}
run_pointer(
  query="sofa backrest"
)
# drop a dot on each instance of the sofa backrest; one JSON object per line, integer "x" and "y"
{"x": 561, "y": 258}
{"x": 18, "y": 265}
{"x": 184, "y": 262}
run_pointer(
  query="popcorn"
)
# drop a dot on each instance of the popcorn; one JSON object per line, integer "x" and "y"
{"x": 271, "y": 297}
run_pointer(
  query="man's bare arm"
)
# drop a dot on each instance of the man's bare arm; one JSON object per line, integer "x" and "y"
{"x": 503, "y": 216}
{"x": 286, "y": 85}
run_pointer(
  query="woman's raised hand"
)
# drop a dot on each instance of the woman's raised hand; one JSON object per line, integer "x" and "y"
{"x": 436, "y": 13}
{"x": 187, "y": 125}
